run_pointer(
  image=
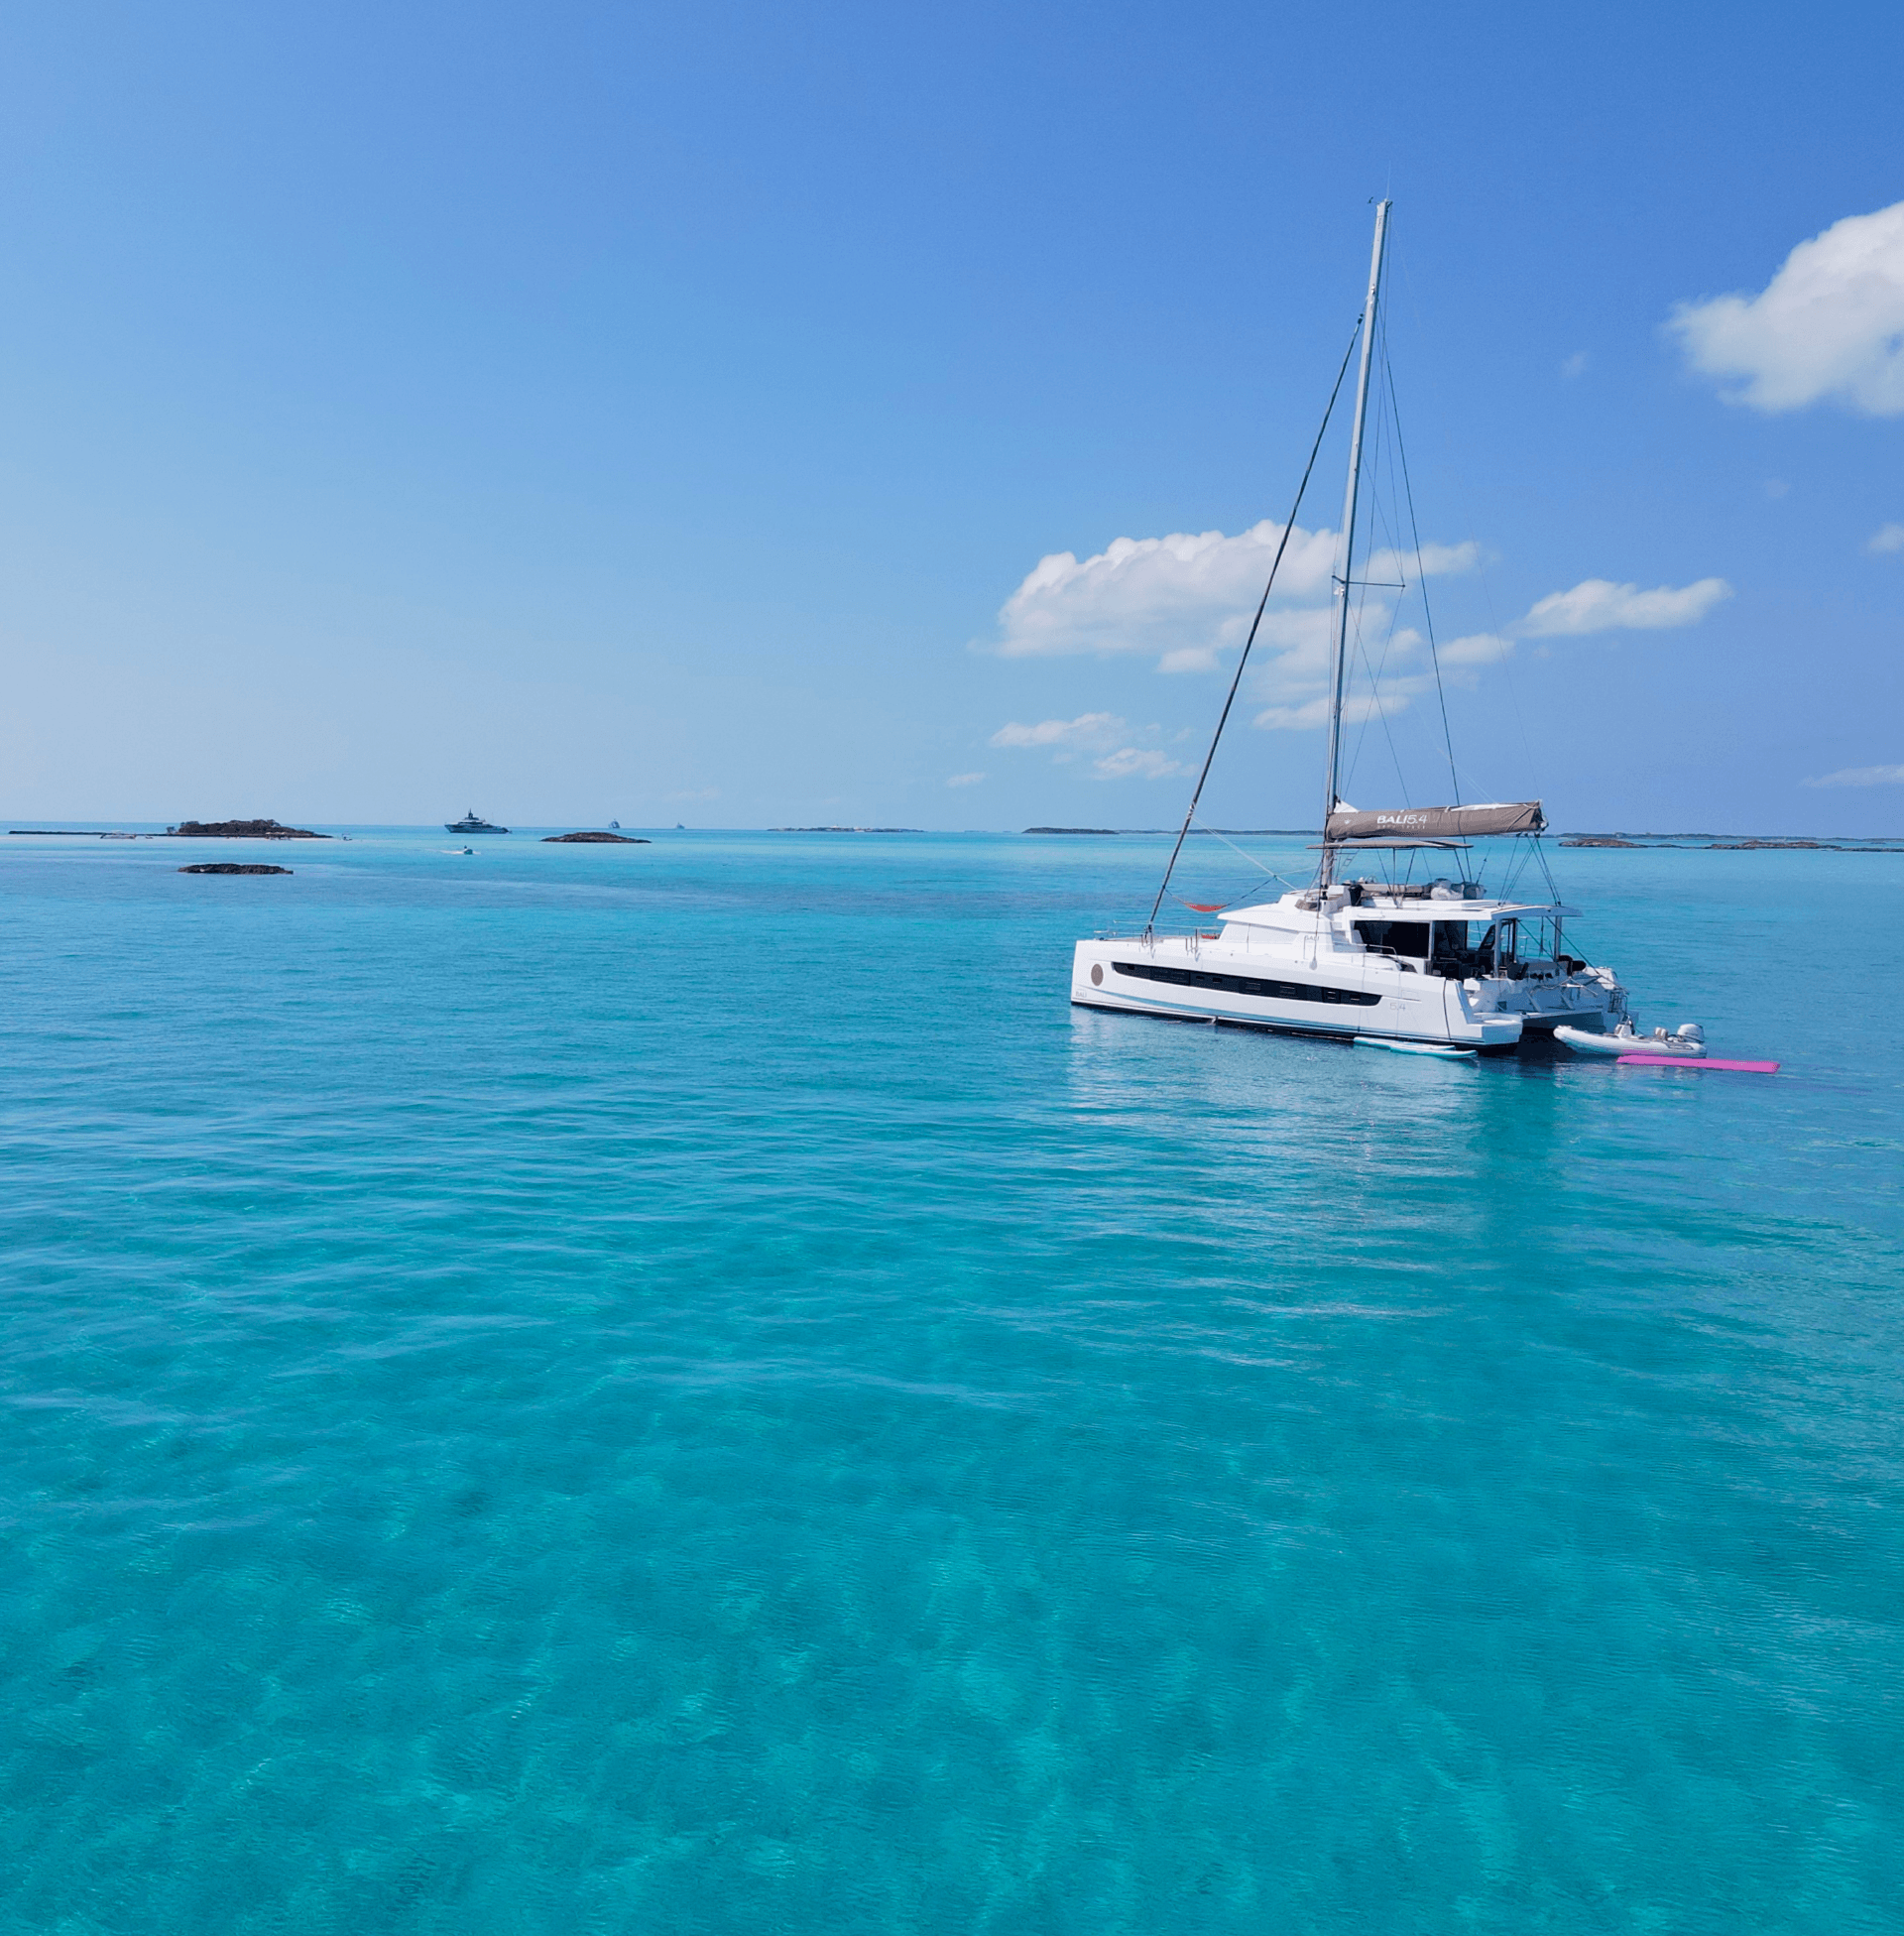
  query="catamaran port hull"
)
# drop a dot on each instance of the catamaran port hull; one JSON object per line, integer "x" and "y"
{"x": 1202, "y": 982}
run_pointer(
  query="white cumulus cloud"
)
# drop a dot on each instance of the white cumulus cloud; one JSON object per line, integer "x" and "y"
{"x": 1887, "y": 538}
{"x": 1861, "y": 776}
{"x": 1160, "y": 595}
{"x": 1829, "y": 325}
{"x": 1190, "y": 598}
{"x": 965, "y": 780}
{"x": 1187, "y": 597}
{"x": 1600, "y": 605}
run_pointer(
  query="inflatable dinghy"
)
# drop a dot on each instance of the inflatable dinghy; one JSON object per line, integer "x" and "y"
{"x": 1688, "y": 1042}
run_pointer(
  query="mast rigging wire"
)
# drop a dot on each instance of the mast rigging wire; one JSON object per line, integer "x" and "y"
{"x": 1428, "y": 617}
{"x": 1275, "y": 565}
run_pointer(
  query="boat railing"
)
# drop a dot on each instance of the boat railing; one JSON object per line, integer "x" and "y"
{"x": 1148, "y": 938}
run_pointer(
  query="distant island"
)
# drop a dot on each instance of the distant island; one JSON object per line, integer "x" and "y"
{"x": 846, "y": 829}
{"x": 240, "y": 830}
{"x": 234, "y": 867}
{"x": 1109, "y": 831}
{"x": 594, "y": 839}
{"x": 1705, "y": 843}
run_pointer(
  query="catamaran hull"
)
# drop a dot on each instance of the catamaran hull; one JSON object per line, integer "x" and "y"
{"x": 1286, "y": 996}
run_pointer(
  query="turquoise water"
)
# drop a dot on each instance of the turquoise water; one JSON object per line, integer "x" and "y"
{"x": 683, "y": 1388}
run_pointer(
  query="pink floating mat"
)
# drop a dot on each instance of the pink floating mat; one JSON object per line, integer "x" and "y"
{"x": 1694, "y": 1063}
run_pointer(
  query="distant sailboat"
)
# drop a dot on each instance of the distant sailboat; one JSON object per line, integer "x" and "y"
{"x": 1387, "y": 961}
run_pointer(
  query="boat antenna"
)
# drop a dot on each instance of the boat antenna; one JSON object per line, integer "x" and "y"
{"x": 1327, "y": 871}
{"x": 1275, "y": 564}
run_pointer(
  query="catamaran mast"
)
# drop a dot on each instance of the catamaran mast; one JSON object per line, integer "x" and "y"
{"x": 1341, "y": 659}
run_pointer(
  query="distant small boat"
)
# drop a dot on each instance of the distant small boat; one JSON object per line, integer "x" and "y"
{"x": 614, "y": 826}
{"x": 471, "y": 823}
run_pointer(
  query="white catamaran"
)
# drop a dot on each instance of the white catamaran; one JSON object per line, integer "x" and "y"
{"x": 1438, "y": 965}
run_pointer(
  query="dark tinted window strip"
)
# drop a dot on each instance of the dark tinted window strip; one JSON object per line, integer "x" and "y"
{"x": 1145, "y": 971}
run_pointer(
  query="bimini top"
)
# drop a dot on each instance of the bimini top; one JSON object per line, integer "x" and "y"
{"x": 1348, "y": 824}
{"x": 1287, "y": 912}
{"x": 1482, "y": 909}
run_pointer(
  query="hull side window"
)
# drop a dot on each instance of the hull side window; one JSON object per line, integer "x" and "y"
{"x": 1146, "y": 971}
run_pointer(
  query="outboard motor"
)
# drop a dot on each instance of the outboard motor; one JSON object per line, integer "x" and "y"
{"x": 1690, "y": 1031}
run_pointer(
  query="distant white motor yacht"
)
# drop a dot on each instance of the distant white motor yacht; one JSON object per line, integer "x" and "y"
{"x": 1369, "y": 956}
{"x": 471, "y": 823}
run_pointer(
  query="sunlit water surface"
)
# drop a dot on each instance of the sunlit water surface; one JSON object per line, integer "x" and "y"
{"x": 683, "y": 1387}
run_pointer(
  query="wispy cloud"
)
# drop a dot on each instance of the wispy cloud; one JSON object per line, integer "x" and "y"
{"x": 1315, "y": 713}
{"x": 1092, "y": 732}
{"x": 1887, "y": 538}
{"x": 1089, "y": 729}
{"x": 1431, "y": 561}
{"x": 1135, "y": 763}
{"x": 1478, "y": 648}
{"x": 965, "y": 780}
{"x": 1575, "y": 365}
{"x": 1600, "y": 605}
{"x": 1828, "y": 327}
{"x": 1860, "y": 777}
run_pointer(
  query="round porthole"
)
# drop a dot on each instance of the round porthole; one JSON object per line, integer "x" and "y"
{"x": 1097, "y": 974}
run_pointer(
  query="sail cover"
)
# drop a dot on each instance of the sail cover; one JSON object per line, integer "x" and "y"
{"x": 1436, "y": 822}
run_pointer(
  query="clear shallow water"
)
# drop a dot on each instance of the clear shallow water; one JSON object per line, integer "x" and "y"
{"x": 683, "y": 1387}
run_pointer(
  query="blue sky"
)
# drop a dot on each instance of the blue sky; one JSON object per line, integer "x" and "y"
{"x": 582, "y": 412}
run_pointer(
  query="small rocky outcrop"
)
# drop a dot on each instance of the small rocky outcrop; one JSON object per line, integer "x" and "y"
{"x": 1598, "y": 840}
{"x": 595, "y": 839}
{"x": 233, "y": 867}
{"x": 241, "y": 831}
